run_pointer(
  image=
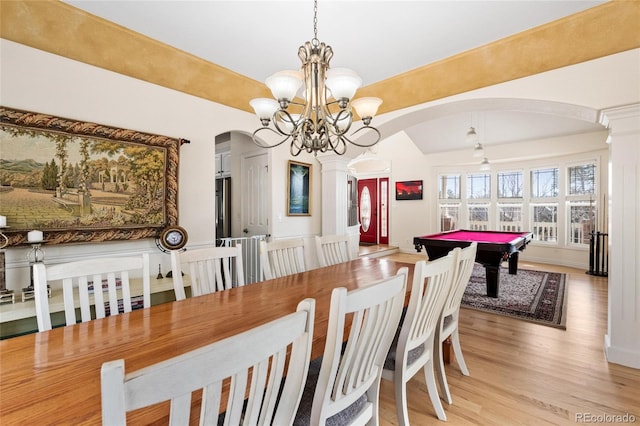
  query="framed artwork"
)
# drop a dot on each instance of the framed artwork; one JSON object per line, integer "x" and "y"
{"x": 84, "y": 182}
{"x": 409, "y": 190}
{"x": 298, "y": 189}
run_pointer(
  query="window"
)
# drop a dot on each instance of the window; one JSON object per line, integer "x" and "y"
{"x": 510, "y": 217}
{"x": 449, "y": 187}
{"x": 544, "y": 183}
{"x": 581, "y": 222}
{"x": 544, "y": 219}
{"x": 581, "y": 203}
{"x": 448, "y": 216}
{"x": 479, "y": 186}
{"x": 510, "y": 185}
{"x": 544, "y": 213}
{"x": 479, "y": 217}
{"x": 582, "y": 179}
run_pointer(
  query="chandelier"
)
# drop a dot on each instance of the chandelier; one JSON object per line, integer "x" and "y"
{"x": 320, "y": 122}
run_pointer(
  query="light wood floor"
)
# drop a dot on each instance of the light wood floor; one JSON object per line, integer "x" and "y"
{"x": 529, "y": 374}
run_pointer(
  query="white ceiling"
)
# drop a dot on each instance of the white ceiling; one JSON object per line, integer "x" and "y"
{"x": 377, "y": 39}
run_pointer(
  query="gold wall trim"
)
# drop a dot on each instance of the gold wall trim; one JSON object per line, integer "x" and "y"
{"x": 609, "y": 28}
{"x": 64, "y": 30}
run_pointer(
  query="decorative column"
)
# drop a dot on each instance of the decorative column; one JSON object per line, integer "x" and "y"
{"x": 622, "y": 341}
{"x": 335, "y": 200}
{"x": 334, "y": 194}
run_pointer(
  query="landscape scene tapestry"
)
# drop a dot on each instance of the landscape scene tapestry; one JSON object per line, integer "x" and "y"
{"x": 84, "y": 182}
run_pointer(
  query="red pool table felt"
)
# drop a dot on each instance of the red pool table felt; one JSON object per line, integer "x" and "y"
{"x": 495, "y": 237}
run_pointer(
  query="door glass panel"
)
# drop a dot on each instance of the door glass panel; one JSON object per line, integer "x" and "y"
{"x": 365, "y": 209}
{"x": 383, "y": 208}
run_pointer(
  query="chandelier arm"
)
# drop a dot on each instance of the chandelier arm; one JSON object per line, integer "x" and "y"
{"x": 284, "y": 116}
{"x": 342, "y": 115}
{"x": 338, "y": 144}
{"x": 263, "y": 145}
{"x": 364, "y": 145}
{"x": 296, "y": 147}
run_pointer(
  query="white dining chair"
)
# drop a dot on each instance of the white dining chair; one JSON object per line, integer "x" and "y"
{"x": 343, "y": 387}
{"x": 448, "y": 321}
{"x": 265, "y": 382}
{"x": 84, "y": 283}
{"x": 333, "y": 249}
{"x": 412, "y": 348}
{"x": 210, "y": 269}
{"x": 282, "y": 257}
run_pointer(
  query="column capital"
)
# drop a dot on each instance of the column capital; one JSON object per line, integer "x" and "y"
{"x": 625, "y": 117}
{"x": 332, "y": 162}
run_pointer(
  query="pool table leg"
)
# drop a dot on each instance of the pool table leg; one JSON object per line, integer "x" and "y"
{"x": 513, "y": 263}
{"x": 493, "y": 280}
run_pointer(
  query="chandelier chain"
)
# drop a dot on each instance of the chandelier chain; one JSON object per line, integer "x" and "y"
{"x": 315, "y": 23}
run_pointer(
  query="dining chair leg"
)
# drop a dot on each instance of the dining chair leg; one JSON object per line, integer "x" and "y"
{"x": 441, "y": 373}
{"x": 374, "y": 396}
{"x": 457, "y": 350}
{"x": 401, "y": 401}
{"x": 430, "y": 380}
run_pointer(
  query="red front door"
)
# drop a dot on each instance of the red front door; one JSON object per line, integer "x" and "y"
{"x": 368, "y": 210}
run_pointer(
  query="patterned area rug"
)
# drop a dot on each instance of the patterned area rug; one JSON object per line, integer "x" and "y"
{"x": 534, "y": 296}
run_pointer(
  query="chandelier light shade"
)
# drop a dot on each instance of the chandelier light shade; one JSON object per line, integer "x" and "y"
{"x": 320, "y": 122}
{"x": 478, "y": 150}
{"x": 484, "y": 165}
{"x": 472, "y": 136}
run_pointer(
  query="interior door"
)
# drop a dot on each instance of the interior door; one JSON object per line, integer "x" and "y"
{"x": 255, "y": 195}
{"x": 368, "y": 210}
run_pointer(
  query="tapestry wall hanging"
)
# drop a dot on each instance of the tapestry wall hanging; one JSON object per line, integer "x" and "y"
{"x": 84, "y": 182}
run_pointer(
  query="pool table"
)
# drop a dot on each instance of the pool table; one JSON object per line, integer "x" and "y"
{"x": 494, "y": 247}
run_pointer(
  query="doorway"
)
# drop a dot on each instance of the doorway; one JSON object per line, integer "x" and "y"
{"x": 373, "y": 212}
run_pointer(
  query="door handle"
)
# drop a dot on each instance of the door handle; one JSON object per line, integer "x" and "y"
{"x": 245, "y": 230}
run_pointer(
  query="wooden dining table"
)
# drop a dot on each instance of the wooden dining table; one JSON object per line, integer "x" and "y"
{"x": 53, "y": 377}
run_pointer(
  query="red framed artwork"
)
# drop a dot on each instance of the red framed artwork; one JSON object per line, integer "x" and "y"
{"x": 409, "y": 190}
